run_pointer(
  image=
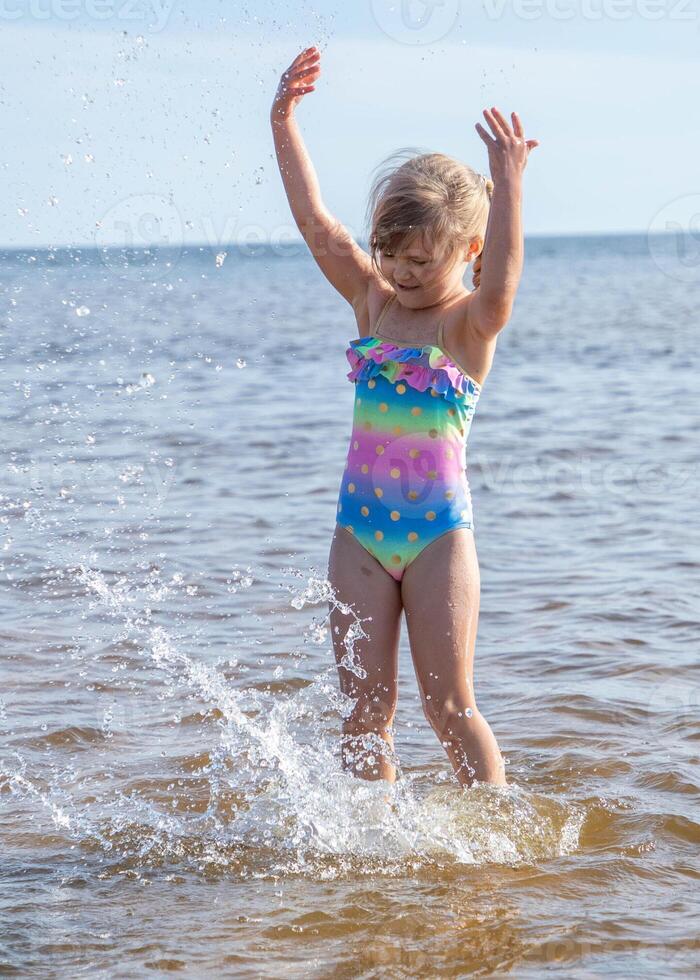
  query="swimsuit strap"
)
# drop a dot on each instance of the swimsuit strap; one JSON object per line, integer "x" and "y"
{"x": 388, "y": 303}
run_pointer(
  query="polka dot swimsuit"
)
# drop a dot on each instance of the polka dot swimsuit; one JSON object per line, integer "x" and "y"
{"x": 405, "y": 481}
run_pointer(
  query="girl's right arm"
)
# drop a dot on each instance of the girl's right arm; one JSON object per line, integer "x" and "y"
{"x": 346, "y": 266}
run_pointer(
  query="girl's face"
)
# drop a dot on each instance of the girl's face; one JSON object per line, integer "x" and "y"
{"x": 420, "y": 274}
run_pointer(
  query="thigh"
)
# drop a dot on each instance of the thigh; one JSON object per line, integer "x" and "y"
{"x": 441, "y": 594}
{"x": 368, "y": 664}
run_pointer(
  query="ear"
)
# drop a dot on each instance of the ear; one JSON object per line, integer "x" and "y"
{"x": 476, "y": 246}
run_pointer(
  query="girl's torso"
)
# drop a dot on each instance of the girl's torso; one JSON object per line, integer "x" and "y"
{"x": 383, "y": 316}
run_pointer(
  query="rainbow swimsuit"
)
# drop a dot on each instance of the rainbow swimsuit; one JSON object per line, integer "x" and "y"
{"x": 405, "y": 481}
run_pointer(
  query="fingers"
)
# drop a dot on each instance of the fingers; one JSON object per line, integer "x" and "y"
{"x": 497, "y": 123}
{"x": 315, "y": 70}
{"x": 484, "y": 135}
{"x": 517, "y": 125}
{"x": 305, "y": 71}
{"x": 309, "y": 54}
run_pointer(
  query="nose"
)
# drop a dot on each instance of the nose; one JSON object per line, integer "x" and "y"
{"x": 400, "y": 275}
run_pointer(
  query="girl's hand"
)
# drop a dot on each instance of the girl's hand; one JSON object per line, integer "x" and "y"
{"x": 296, "y": 81}
{"x": 508, "y": 149}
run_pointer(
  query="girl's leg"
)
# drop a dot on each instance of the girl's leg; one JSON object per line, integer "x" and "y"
{"x": 359, "y": 580}
{"x": 441, "y": 593}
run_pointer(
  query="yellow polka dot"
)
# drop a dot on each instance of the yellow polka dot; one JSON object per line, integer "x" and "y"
{"x": 434, "y": 393}
{"x": 398, "y": 429}
{"x": 383, "y": 407}
{"x": 395, "y": 516}
{"x": 432, "y": 474}
{"x": 355, "y": 444}
{"x": 433, "y": 433}
{"x": 367, "y": 425}
{"x": 412, "y": 536}
{"x": 430, "y": 515}
{"x": 464, "y": 514}
{"x": 396, "y": 559}
{"x": 364, "y": 511}
{"x": 395, "y": 472}
{"x": 416, "y": 410}
{"x": 414, "y": 453}
{"x": 371, "y": 383}
{"x": 351, "y": 487}
{"x": 378, "y": 492}
{"x": 451, "y": 411}
{"x": 459, "y": 394}
{"x": 461, "y": 431}
{"x": 401, "y": 388}
{"x": 365, "y": 468}
{"x": 449, "y": 494}
{"x": 449, "y": 453}
{"x": 379, "y": 535}
{"x": 412, "y": 494}
{"x": 379, "y": 450}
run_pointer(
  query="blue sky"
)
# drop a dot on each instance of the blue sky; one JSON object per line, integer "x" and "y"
{"x": 148, "y": 120}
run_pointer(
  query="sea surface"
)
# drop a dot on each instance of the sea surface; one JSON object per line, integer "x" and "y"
{"x": 174, "y": 430}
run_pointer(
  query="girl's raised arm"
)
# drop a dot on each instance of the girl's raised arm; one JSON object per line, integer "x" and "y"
{"x": 502, "y": 259}
{"x": 346, "y": 266}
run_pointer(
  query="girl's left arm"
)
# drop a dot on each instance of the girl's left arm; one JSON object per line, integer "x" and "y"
{"x": 503, "y": 251}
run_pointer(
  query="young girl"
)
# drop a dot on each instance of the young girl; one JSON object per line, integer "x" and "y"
{"x": 404, "y": 537}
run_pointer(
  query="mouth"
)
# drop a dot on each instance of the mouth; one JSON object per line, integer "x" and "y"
{"x": 399, "y": 286}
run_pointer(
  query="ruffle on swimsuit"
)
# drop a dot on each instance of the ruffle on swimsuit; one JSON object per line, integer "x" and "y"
{"x": 420, "y": 367}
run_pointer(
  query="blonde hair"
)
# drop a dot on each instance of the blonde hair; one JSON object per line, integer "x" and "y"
{"x": 429, "y": 195}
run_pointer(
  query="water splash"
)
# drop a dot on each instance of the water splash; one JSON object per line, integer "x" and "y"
{"x": 269, "y": 795}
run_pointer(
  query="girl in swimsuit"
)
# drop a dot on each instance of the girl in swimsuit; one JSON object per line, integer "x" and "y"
{"x": 404, "y": 535}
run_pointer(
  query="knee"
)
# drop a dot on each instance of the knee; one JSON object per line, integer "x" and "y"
{"x": 370, "y": 715}
{"x": 447, "y": 716}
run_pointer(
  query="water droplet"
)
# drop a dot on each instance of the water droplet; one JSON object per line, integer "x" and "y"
{"x": 240, "y": 362}
{"x": 220, "y": 258}
{"x": 82, "y": 311}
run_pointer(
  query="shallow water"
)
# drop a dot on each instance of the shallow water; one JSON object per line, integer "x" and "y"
{"x": 170, "y": 792}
